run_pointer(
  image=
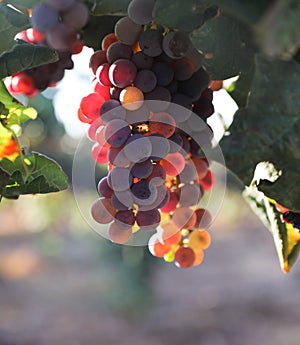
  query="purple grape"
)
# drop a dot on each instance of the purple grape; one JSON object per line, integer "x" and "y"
{"x": 173, "y": 86}
{"x": 162, "y": 196}
{"x": 140, "y": 11}
{"x": 165, "y": 200}
{"x": 158, "y": 175}
{"x": 183, "y": 69}
{"x": 186, "y": 146}
{"x": 164, "y": 73}
{"x": 151, "y": 42}
{"x": 148, "y": 220}
{"x": 97, "y": 59}
{"x": 61, "y": 37}
{"x": 190, "y": 194}
{"x": 122, "y": 73}
{"x": 127, "y": 31}
{"x": 160, "y": 147}
{"x": 44, "y": 17}
{"x": 122, "y": 200}
{"x": 175, "y": 142}
{"x": 194, "y": 86}
{"x": 119, "y": 179}
{"x": 159, "y": 94}
{"x": 176, "y": 44}
{"x": 203, "y": 108}
{"x": 183, "y": 100}
{"x": 138, "y": 148}
{"x": 125, "y": 219}
{"x": 134, "y": 117}
{"x": 141, "y": 190}
{"x": 118, "y": 50}
{"x": 76, "y": 16}
{"x": 116, "y": 132}
{"x": 142, "y": 170}
{"x": 112, "y": 109}
{"x": 142, "y": 61}
{"x": 145, "y": 80}
{"x": 104, "y": 189}
{"x": 117, "y": 157}
{"x": 114, "y": 92}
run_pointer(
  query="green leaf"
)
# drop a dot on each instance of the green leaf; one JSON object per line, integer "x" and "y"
{"x": 278, "y": 32}
{"x": 248, "y": 11}
{"x": 25, "y": 56}
{"x": 241, "y": 88}
{"x": 267, "y": 130}
{"x": 4, "y": 178}
{"x": 24, "y": 3}
{"x": 11, "y": 22}
{"x": 96, "y": 29}
{"x": 184, "y": 15}
{"x": 109, "y": 7}
{"x": 17, "y": 112}
{"x": 36, "y": 174}
{"x": 297, "y": 56}
{"x": 227, "y": 46}
{"x": 4, "y": 134}
{"x": 286, "y": 239}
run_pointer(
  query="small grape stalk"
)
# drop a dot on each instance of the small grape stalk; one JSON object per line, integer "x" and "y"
{"x": 148, "y": 80}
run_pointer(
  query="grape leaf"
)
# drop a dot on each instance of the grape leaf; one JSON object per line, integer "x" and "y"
{"x": 185, "y": 15}
{"x": 267, "y": 130}
{"x": 4, "y": 178}
{"x": 227, "y": 46}
{"x": 25, "y": 56}
{"x": 24, "y": 3}
{"x": 36, "y": 174}
{"x": 240, "y": 90}
{"x": 108, "y": 7}
{"x": 96, "y": 29}
{"x": 17, "y": 113}
{"x": 11, "y": 22}
{"x": 278, "y": 32}
{"x": 286, "y": 239}
{"x": 4, "y": 134}
{"x": 249, "y": 11}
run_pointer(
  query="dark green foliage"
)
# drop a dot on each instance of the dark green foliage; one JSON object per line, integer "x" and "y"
{"x": 33, "y": 174}
{"x": 24, "y": 56}
{"x": 267, "y": 130}
{"x": 97, "y": 28}
{"x": 227, "y": 47}
{"x": 11, "y": 22}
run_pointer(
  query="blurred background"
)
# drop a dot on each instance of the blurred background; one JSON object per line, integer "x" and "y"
{"x": 61, "y": 283}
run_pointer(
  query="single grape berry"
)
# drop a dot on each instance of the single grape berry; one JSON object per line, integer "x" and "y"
{"x": 184, "y": 257}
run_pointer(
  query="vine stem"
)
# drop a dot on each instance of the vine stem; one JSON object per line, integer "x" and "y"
{"x": 21, "y": 154}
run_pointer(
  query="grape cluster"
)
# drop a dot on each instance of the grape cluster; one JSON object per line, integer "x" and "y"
{"x": 59, "y": 20}
{"x": 29, "y": 82}
{"x": 54, "y": 24}
{"x": 149, "y": 84}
